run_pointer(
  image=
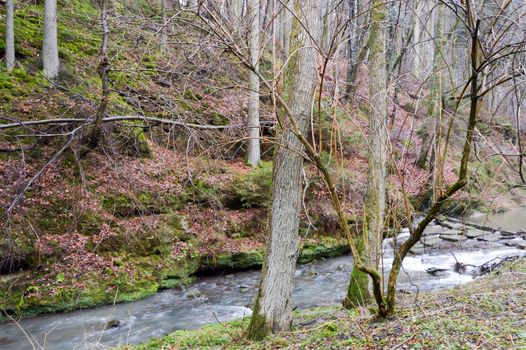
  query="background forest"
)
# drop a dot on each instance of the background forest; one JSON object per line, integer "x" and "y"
{"x": 146, "y": 142}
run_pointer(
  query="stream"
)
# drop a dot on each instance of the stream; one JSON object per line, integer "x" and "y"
{"x": 226, "y": 297}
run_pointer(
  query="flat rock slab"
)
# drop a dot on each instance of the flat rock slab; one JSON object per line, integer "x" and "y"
{"x": 451, "y": 232}
{"x": 490, "y": 237}
{"x": 454, "y": 225}
{"x": 509, "y": 233}
{"x": 417, "y": 249}
{"x": 433, "y": 230}
{"x": 474, "y": 233}
{"x": 453, "y": 238}
{"x": 517, "y": 243}
{"x": 431, "y": 240}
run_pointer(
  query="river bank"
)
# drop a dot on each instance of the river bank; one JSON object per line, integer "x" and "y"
{"x": 177, "y": 274}
{"x": 448, "y": 258}
{"x": 487, "y": 313}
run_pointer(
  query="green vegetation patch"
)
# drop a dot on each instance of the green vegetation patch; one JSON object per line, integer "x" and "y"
{"x": 252, "y": 189}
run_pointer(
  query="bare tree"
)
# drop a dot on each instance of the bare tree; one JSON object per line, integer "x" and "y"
{"x": 273, "y": 306}
{"x": 165, "y": 28}
{"x": 253, "y": 148}
{"x": 50, "y": 45}
{"x": 371, "y": 240}
{"x": 10, "y": 35}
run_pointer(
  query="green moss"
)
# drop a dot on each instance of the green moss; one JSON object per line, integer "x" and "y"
{"x": 233, "y": 261}
{"x": 173, "y": 283}
{"x": 326, "y": 248}
{"x": 201, "y": 192}
{"x": 251, "y": 190}
{"x": 124, "y": 205}
{"x": 358, "y": 289}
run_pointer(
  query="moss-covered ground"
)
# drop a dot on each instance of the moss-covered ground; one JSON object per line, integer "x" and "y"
{"x": 488, "y": 313}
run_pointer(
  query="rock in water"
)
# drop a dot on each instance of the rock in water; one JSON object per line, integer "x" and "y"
{"x": 431, "y": 240}
{"x": 243, "y": 287}
{"x": 433, "y": 230}
{"x": 490, "y": 237}
{"x": 435, "y": 271}
{"x": 517, "y": 243}
{"x": 194, "y": 293}
{"x": 417, "y": 248}
{"x": 451, "y": 232}
{"x": 453, "y": 238}
{"x": 454, "y": 225}
{"x": 114, "y": 324}
{"x": 474, "y": 233}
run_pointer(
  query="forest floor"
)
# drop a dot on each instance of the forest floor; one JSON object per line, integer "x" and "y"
{"x": 488, "y": 313}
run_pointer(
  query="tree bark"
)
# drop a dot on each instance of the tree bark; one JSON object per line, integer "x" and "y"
{"x": 377, "y": 157}
{"x": 253, "y": 144}
{"x": 50, "y": 45}
{"x": 273, "y": 307}
{"x": 286, "y": 26}
{"x": 10, "y": 35}
{"x": 237, "y": 9}
{"x": 165, "y": 28}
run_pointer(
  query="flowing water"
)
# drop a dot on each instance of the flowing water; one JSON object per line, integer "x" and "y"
{"x": 226, "y": 297}
{"x": 513, "y": 219}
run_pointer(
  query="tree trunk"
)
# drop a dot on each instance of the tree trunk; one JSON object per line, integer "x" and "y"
{"x": 286, "y": 26}
{"x": 10, "y": 35}
{"x": 273, "y": 307}
{"x": 356, "y": 56}
{"x": 253, "y": 148}
{"x": 164, "y": 29}
{"x": 192, "y": 4}
{"x": 103, "y": 70}
{"x": 50, "y": 46}
{"x": 377, "y": 158}
{"x": 237, "y": 9}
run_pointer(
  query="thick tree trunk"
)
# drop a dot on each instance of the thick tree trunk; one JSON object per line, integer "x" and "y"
{"x": 273, "y": 307}
{"x": 377, "y": 162}
{"x": 253, "y": 148}
{"x": 50, "y": 46}
{"x": 10, "y": 35}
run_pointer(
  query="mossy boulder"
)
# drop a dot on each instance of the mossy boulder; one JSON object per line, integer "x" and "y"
{"x": 327, "y": 248}
{"x": 252, "y": 189}
{"x": 233, "y": 261}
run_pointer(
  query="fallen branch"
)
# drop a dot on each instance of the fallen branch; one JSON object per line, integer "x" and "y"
{"x": 67, "y": 121}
